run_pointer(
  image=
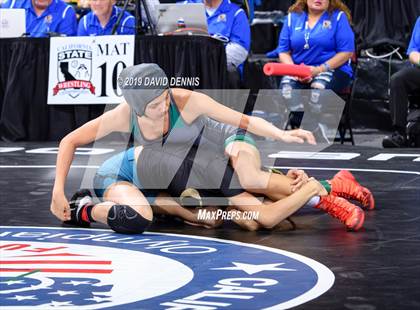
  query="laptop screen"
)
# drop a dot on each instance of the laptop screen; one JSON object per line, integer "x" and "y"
{"x": 174, "y": 18}
{"x": 12, "y": 23}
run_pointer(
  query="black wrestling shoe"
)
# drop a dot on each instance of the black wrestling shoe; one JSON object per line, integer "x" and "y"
{"x": 81, "y": 199}
{"x": 394, "y": 141}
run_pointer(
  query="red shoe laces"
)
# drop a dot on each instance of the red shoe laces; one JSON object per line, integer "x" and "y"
{"x": 336, "y": 211}
{"x": 362, "y": 195}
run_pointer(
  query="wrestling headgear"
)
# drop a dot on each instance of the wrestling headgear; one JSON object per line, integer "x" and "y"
{"x": 141, "y": 84}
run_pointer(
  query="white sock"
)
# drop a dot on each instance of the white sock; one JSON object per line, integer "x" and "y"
{"x": 313, "y": 201}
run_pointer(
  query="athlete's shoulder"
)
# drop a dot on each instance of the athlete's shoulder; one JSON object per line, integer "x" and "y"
{"x": 181, "y": 92}
{"x": 123, "y": 107}
{"x": 181, "y": 96}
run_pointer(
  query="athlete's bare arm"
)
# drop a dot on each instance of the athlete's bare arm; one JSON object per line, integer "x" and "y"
{"x": 193, "y": 104}
{"x": 114, "y": 120}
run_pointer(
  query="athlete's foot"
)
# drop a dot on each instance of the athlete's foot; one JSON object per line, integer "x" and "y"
{"x": 349, "y": 214}
{"x": 344, "y": 184}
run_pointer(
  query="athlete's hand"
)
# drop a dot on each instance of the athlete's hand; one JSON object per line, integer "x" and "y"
{"x": 299, "y": 178}
{"x": 60, "y": 207}
{"x": 298, "y": 136}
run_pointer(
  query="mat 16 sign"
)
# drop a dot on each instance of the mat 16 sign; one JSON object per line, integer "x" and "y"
{"x": 84, "y": 70}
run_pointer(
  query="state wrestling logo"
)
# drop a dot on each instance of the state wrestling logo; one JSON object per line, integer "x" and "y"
{"x": 46, "y": 268}
{"x": 74, "y": 71}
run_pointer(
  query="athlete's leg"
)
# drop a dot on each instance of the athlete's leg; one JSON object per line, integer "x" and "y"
{"x": 165, "y": 204}
{"x": 271, "y": 215}
{"x": 123, "y": 193}
{"x": 244, "y": 221}
{"x": 125, "y": 209}
{"x": 246, "y": 161}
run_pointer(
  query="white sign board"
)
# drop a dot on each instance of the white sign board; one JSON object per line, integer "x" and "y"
{"x": 84, "y": 70}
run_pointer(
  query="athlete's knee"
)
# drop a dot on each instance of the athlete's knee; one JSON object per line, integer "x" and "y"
{"x": 125, "y": 220}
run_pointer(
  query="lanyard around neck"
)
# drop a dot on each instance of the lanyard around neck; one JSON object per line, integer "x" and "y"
{"x": 306, "y": 35}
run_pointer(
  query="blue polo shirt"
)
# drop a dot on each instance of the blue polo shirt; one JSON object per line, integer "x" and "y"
{"x": 330, "y": 35}
{"x": 89, "y": 25}
{"x": 58, "y": 17}
{"x": 228, "y": 22}
{"x": 415, "y": 39}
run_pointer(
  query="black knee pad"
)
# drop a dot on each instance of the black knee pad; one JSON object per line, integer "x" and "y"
{"x": 125, "y": 220}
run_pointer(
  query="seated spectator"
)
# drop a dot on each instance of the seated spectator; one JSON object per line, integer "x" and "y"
{"x": 46, "y": 17}
{"x": 317, "y": 33}
{"x": 101, "y": 20}
{"x": 229, "y": 23}
{"x": 404, "y": 83}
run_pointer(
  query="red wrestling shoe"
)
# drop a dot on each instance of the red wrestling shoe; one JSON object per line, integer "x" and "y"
{"x": 351, "y": 215}
{"x": 344, "y": 184}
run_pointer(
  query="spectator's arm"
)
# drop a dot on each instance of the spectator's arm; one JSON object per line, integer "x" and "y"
{"x": 413, "y": 50}
{"x": 415, "y": 58}
{"x": 344, "y": 36}
{"x": 283, "y": 50}
{"x": 128, "y": 25}
{"x": 235, "y": 54}
{"x": 286, "y": 58}
{"x": 338, "y": 60}
{"x": 241, "y": 32}
{"x": 68, "y": 25}
{"x": 344, "y": 40}
{"x": 239, "y": 41}
{"x": 82, "y": 28}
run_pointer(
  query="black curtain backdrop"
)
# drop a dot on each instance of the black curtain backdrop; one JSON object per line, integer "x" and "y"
{"x": 186, "y": 56}
{"x": 24, "y": 113}
{"x": 379, "y": 22}
{"x": 275, "y": 5}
